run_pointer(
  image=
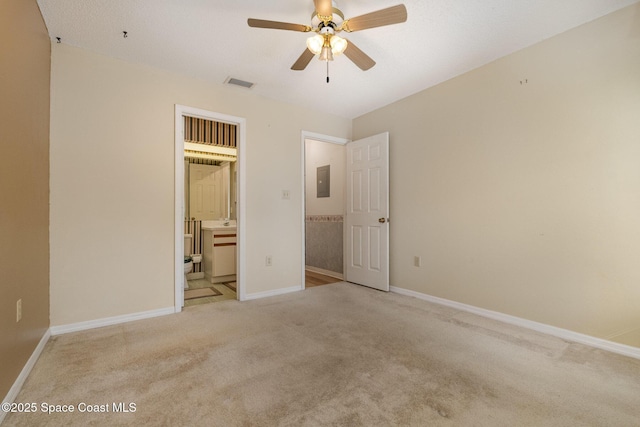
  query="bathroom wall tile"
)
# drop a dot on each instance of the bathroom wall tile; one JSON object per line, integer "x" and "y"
{"x": 324, "y": 242}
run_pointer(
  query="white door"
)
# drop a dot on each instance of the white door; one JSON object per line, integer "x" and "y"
{"x": 205, "y": 183}
{"x": 367, "y": 219}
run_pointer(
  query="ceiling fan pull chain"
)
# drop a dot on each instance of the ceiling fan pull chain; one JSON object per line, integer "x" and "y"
{"x": 327, "y": 71}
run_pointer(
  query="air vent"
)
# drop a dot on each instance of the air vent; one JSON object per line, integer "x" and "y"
{"x": 238, "y": 82}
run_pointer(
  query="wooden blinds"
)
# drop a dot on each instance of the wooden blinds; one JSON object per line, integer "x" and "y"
{"x": 202, "y": 131}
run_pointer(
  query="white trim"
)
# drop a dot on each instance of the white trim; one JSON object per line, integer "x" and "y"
{"x": 241, "y": 215}
{"x": 26, "y": 370}
{"x": 108, "y": 321}
{"x": 178, "y": 228}
{"x": 329, "y": 273}
{"x": 566, "y": 334}
{"x": 273, "y": 293}
{"x": 324, "y": 138}
{"x": 181, "y": 110}
{"x": 316, "y": 137}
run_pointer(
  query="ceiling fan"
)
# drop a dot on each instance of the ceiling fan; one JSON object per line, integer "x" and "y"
{"x": 326, "y": 22}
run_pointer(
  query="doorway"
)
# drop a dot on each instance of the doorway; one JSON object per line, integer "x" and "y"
{"x": 182, "y": 111}
{"x": 323, "y": 164}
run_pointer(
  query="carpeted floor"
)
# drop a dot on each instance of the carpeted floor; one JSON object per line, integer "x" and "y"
{"x": 337, "y": 354}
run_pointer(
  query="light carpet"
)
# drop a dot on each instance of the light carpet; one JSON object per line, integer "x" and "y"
{"x": 339, "y": 355}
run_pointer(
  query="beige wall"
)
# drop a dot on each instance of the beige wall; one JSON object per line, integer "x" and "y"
{"x": 525, "y": 198}
{"x": 24, "y": 184}
{"x": 112, "y": 189}
{"x": 318, "y": 153}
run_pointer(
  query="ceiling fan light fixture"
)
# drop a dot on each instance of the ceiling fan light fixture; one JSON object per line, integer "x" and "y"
{"x": 315, "y": 43}
{"x": 326, "y": 54}
{"x": 338, "y": 45}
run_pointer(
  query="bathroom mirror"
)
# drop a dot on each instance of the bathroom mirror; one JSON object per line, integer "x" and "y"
{"x": 209, "y": 182}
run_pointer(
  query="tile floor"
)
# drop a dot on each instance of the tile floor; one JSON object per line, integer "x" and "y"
{"x": 227, "y": 292}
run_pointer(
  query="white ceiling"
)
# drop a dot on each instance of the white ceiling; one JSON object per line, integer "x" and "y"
{"x": 210, "y": 40}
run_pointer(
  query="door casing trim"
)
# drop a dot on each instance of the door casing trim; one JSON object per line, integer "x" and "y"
{"x": 180, "y": 111}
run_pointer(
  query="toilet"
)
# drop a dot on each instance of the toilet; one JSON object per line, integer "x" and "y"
{"x": 188, "y": 261}
{"x": 189, "y": 258}
{"x": 188, "y": 268}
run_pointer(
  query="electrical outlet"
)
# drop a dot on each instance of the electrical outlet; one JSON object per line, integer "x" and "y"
{"x": 417, "y": 261}
{"x": 286, "y": 194}
{"x": 18, "y": 310}
{"x": 267, "y": 261}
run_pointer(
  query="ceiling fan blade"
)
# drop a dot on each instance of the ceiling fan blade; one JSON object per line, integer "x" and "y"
{"x": 388, "y": 16}
{"x": 303, "y": 61}
{"x": 323, "y": 7}
{"x": 358, "y": 57}
{"x": 275, "y": 25}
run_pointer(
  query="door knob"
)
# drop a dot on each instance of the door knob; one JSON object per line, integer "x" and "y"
{"x": 382, "y": 220}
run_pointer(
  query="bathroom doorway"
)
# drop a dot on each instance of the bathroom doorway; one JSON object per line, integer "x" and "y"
{"x": 210, "y": 226}
{"x": 187, "y": 121}
{"x": 324, "y": 167}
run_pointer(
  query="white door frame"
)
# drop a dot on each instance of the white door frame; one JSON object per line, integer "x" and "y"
{"x": 322, "y": 138}
{"x": 241, "y": 170}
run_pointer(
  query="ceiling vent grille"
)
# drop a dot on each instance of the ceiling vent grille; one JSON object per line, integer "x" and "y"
{"x": 238, "y": 82}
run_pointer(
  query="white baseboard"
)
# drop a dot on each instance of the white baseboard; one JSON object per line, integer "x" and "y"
{"x": 325, "y": 272}
{"x": 273, "y": 293}
{"x": 19, "y": 382}
{"x": 566, "y": 334}
{"x": 107, "y": 321}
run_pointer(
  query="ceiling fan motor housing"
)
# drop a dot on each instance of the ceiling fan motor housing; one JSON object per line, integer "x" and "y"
{"x": 329, "y": 28}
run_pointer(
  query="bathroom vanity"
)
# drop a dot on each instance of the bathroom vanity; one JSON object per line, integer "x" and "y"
{"x": 219, "y": 251}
